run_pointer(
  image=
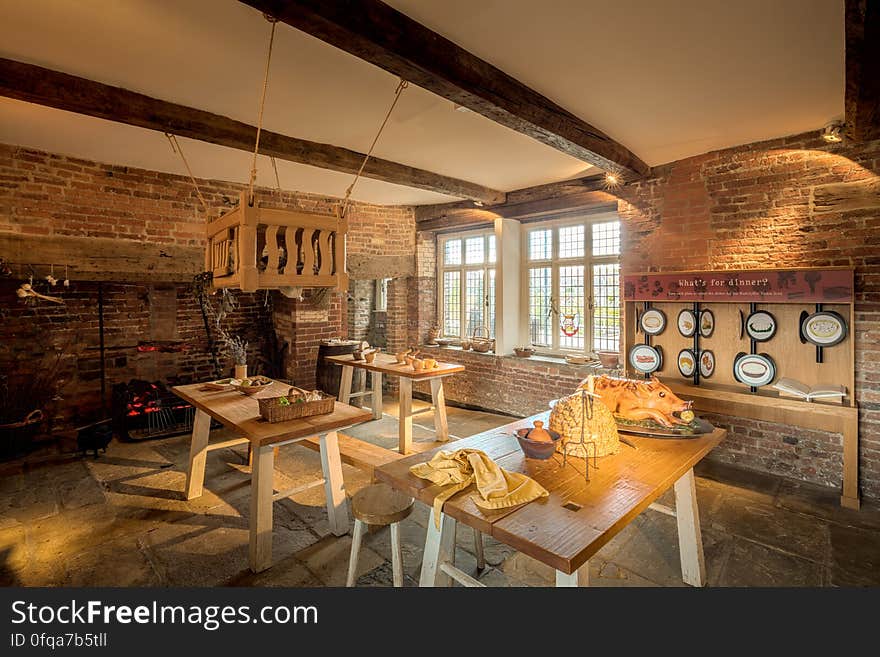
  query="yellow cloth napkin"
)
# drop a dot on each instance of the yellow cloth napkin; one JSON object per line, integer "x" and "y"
{"x": 496, "y": 487}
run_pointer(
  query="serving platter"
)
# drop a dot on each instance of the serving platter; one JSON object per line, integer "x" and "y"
{"x": 825, "y": 328}
{"x": 687, "y": 323}
{"x": 652, "y": 429}
{"x": 646, "y": 359}
{"x": 754, "y": 369}
{"x": 653, "y": 321}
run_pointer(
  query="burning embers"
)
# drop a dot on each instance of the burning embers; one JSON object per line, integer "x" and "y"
{"x": 143, "y": 410}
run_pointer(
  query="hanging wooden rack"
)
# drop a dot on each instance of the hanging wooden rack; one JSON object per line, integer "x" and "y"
{"x": 254, "y": 248}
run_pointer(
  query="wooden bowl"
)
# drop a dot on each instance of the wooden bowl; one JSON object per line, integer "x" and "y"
{"x": 524, "y": 352}
{"x": 609, "y": 359}
{"x": 257, "y": 383}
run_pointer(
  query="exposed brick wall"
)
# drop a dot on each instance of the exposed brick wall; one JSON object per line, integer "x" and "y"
{"x": 28, "y": 332}
{"x": 49, "y": 194}
{"x": 364, "y": 321}
{"x": 744, "y": 207}
{"x": 308, "y": 322}
{"x": 517, "y": 386}
{"x": 752, "y": 206}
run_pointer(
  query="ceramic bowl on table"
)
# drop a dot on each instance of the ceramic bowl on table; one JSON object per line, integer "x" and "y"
{"x": 537, "y": 449}
{"x": 252, "y": 385}
{"x": 609, "y": 359}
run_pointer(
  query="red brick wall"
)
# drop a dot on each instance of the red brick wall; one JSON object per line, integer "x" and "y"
{"x": 749, "y": 206}
{"x": 46, "y": 193}
{"x": 51, "y": 194}
{"x": 752, "y": 206}
{"x": 131, "y": 316}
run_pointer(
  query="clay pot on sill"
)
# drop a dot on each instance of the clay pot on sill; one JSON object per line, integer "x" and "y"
{"x": 609, "y": 359}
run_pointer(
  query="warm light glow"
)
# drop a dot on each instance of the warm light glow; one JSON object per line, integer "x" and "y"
{"x": 612, "y": 180}
{"x": 833, "y": 132}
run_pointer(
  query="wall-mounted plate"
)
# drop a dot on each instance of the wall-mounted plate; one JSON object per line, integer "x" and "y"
{"x": 707, "y": 364}
{"x": 760, "y": 325}
{"x": 653, "y": 321}
{"x": 687, "y": 362}
{"x": 707, "y": 323}
{"x": 645, "y": 359}
{"x": 824, "y": 329}
{"x": 754, "y": 369}
{"x": 687, "y": 323}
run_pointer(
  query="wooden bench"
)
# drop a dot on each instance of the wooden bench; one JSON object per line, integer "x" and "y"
{"x": 358, "y": 453}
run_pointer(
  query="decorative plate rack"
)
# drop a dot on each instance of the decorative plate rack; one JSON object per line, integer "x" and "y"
{"x": 799, "y": 321}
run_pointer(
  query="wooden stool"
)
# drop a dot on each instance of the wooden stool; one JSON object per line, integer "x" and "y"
{"x": 379, "y": 505}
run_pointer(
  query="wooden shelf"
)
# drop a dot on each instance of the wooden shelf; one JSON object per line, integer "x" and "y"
{"x": 763, "y": 398}
{"x": 782, "y": 410}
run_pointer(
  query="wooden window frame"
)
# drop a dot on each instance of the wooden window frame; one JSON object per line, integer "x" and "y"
{"x": 555, "y": 263}
{"x": 463, "y": 268}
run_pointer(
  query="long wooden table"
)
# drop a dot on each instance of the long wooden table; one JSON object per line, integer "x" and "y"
{"x": 240, "y": 412}
{"x": 385, "y": 364}
{"x": 579, "y": 517}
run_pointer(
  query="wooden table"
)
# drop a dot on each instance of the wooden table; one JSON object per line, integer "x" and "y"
{"x": 579, "y": 517}
{"x": 236, "y": 410}
{"x": 385, "y": 364}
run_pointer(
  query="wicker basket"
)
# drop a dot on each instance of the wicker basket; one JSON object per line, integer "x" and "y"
{"x": 273, "y": 411}
{"x": 481, "y": 343}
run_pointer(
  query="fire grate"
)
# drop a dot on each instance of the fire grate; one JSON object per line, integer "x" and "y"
{"x": 144, "y": 410}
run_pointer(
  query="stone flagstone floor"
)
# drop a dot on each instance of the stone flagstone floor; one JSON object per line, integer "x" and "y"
{"x": 121, "y": 520}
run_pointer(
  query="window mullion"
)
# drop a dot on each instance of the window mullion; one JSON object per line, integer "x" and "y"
{"x": 588, "y": 303}
{"x": 462, "y": 301}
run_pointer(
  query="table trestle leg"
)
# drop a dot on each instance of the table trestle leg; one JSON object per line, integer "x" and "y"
{"x": 690, "y": 541}
{"x": 334, "y": 486}
{"x": 439, "y": 549}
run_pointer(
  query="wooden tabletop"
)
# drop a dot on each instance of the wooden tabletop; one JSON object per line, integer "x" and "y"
{"x": 242, "y": 412}
{"x": 565, "y": 538}
{"x": 385, "y": 363}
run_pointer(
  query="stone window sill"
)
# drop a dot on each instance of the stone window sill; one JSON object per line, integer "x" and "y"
{"x": 536, "y": 358}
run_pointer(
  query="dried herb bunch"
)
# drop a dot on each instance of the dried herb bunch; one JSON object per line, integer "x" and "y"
{"x": 235, "y": 346}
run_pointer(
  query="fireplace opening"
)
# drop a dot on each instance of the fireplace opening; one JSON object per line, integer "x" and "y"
{"x": 144, "y": 410}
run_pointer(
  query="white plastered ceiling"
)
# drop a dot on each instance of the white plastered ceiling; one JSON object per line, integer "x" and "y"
{"x": 668, "y": 79}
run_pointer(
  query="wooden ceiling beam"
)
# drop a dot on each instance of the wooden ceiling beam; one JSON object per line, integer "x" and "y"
{"x": 42, "y": 86}
{"x": 387, "y": 38}
{"x": 582, "y": 194}
{"x": 863, "y": 69}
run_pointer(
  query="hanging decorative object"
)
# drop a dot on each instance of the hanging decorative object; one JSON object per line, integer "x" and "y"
{"x": 570, "y": 324}
{"x": 253, "y": 248}
{"x": 27, "y": 292}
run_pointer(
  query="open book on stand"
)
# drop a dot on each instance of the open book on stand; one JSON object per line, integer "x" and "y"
{"x": 825, "y": 391}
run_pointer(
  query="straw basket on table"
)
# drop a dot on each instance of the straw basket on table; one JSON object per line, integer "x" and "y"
{"x": 272, "y": 409}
